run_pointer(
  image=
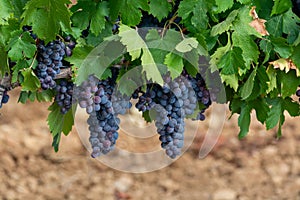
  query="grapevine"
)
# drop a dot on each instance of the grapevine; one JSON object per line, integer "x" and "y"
{"x": 188, "y": 54}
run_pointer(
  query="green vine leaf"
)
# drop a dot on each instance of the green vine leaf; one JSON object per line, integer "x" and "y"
{"x": 135, "y": 45}
{"x": 244, "y": 120}
{"x": 261, "y": 109}
{"x": 281, "y": 47}
{"x": 21, "y": 45}
{"x": 248, "y": 46}
{"x": 174, "y": 63}
{"x": 224, "y": 25}
{"x": 89, "y": 12}
{"x": 289, "y": 83}
{"x": 52, "y": 15}
{"x": 31, "y": 82}
{"x": 280, "y": 6}
{"x": 231, "y": 80}
{"x": 232, "y": 61}
{"x": 6, "y": 11}
{"x": 159, "y": 8}
{"x": 59, "y": 123}
{"x": 195, "y": 12}
{"x": 186, "y": 45}
{"x": 218, "y": 54}
{"x": 129, "y": 11}
{"x": 275, "y": 115}
{"x": 247, "y": 88}
{"x": 223, "y": 5}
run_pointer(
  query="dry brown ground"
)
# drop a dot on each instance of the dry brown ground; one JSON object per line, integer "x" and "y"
{"x": 258, "y": 167}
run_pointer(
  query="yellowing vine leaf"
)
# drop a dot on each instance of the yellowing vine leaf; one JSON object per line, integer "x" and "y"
{"x": 285, "y": 65}
{"x": 257, "y": 23}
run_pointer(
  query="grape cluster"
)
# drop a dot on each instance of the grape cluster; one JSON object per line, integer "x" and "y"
{"x": 298, "y": 93}
{"x": 202, "y": 94}
{"x": 49, "y": 58}
{"x": 5, "y": 98}
{"x": 169, "y": 120}
{"x": 103, "y": 106}
{"x": 64, "y": 95}
{"x": 103, "y": 127}
{"x": 145, "y": 101}
{"x": 173, "y": 101}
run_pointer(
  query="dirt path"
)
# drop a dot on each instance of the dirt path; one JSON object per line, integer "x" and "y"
{"x": 259, "y": 167}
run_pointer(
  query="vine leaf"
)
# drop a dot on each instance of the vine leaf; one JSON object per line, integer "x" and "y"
{"x": 223, "y": 5}
{"x": 280, "y": 6}
{"x": 174, "y": 63}
{"x": 231, "y": 80}
{"x": 195, "y": 12}
{"x": 248, "y": 46}
{"x": 130, "y": 11}
{"x": 31, "y": 82}
{"x": 218, "y": 54}
{"x": 47, "y": 17}
{"x": 224, "y": 25}
{"x": 244, "y": 120}
{"x": 285, "y": 65}
{"x": 274, "y": 114}
{"x": 291, "y": 26}
{"x": 272, "y": 84}
{"x": 159, "y": 8}
{"x": 261, "y": 109}
{"x": 247, "y": 88}
{"x": 296, "y": 58}
{"x": 99, "y": 59}
{"x": 244, "y": 1}
{"x": 135, "y": 45}
{"x": 6, "y": 10}
{"x": 281, "y": 47}
{"x": 21, "y": 45}
{"x": 289, "y": 83}
{"x": 232, "y": 61}
{"x": 59, "y": 123}
{"x": 3, "y": 61}
{"x": 78, "y": 56}
{"x": 186, "y": 45}
{"x": 89, "y": 12}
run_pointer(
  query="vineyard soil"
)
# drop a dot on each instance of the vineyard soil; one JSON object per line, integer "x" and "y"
{"x": 258, "y": 167}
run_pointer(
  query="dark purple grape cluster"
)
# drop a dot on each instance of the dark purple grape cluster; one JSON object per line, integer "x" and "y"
{"x": 64, "y": 95}
{"x": 169, "y": 120}
{"x": 4, "y": 98}
{"x": 49, "y": 59}
{"x": 202, "y": 94}
{"x": 103, "y": 106}
{"x": 145, "y": 101}
{"x": 172, "y": 102}
{"x": 298, "y": 93}
{"x": 70, "y": 45}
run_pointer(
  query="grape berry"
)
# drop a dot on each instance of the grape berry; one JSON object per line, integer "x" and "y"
{"x": 64, "y": 95}
{"x": 5, "y": 98}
